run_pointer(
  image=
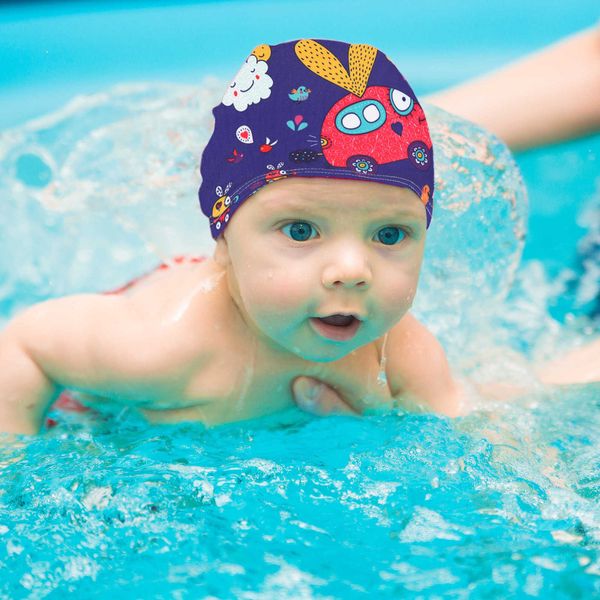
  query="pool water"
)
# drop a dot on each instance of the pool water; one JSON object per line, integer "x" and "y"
{"x": 501, "y": 503}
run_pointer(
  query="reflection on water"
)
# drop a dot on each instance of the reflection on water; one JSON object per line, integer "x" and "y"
{"x": 290, "y": 505}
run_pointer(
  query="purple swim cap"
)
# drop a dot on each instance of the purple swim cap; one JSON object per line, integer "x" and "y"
{"x": 314, "y": 108}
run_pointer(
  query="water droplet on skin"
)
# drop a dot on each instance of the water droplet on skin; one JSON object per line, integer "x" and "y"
{"x": 382, "y": 376}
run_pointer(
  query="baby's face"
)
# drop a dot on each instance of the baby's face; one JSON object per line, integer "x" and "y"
{"x": 304, "y": 247}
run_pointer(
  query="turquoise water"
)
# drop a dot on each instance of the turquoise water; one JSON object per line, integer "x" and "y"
{"x": 53, "y": 51}
{"x": 502, "y": 503}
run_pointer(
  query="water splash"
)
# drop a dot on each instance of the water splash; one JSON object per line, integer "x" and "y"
{"x": 504, "y": 499}
{"x": 116, "y": 196}
{"x": 477, "y": 234}
{"x": 434, "y": 503}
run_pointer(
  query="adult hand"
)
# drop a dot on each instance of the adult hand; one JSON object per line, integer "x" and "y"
{"x": 318, "y": 398}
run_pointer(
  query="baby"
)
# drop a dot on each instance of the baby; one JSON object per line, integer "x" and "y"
{"x": 318, "y": 185}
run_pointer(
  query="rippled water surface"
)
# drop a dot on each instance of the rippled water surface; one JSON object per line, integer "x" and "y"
{"x": 504, "y": 501}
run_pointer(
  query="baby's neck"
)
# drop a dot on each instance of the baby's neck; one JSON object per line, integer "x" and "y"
{"x": 251, "y": 342}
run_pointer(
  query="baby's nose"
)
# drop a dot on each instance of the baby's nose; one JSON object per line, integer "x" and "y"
{"x": 350, "y": 282}
{"x": 347, "y": 274}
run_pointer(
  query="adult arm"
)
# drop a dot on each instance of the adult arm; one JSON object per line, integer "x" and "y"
{"x": 546, "y": 97}
{"x": 578, "y": 366}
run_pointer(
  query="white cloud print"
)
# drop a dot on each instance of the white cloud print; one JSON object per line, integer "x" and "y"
{"x": 250, "y": 86}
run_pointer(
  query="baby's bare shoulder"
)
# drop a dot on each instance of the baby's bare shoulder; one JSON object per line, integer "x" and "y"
{"x": 163, "y": 322}
{"x": 164, "y": 291}
{"x": 417, "y": 367}
{"x": 186, "y": 303}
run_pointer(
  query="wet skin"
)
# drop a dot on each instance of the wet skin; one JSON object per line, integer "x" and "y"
{"x": 225, "y": 339}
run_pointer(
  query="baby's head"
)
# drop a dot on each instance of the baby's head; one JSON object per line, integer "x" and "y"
{"x": 330, "y": 142}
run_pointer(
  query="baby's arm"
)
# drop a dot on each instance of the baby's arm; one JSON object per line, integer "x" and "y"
{"x": 95, "y": 343}
{"x": 418, "y": 372}
{"x": 25, "y": 390}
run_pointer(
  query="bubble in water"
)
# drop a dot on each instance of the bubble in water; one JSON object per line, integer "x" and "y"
{"x": 33, "y": 170}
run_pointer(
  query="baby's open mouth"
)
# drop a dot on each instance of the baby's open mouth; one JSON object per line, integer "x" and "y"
{"x": 336, "y": 327}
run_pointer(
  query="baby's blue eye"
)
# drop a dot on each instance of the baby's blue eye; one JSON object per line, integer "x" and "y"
{"x": 390, "y": 235}
{"x": 299, "y": 231}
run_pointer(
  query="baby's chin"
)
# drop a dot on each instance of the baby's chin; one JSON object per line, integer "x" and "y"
{"x": 308, "y": 345}
{"x": 310, "y": 351}
{"x": 321, "y": 358}
{"x": 326, "y": 352}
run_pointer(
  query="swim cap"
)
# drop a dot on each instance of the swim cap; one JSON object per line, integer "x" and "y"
{"x": 314, "y": 108}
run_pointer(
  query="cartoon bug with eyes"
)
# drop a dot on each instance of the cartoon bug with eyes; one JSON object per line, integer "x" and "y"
{"x": 370, "y": 125}
{"x": 220, "y": 209}
{"x": 275, "y": 173}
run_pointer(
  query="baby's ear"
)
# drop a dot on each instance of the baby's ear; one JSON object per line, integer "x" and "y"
{"x": 221, "y": 253}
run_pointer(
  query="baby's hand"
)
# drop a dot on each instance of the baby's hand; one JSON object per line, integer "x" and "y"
{"x": 317, "y": 398}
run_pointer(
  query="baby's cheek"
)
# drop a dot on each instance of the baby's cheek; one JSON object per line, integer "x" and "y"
{"x": 279, "y": 290}
{"x": 397, "y": 297}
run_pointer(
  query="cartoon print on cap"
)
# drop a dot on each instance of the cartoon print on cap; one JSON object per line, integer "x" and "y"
{"x": 322, "y": 108}
{"x": 268, "y": 145}
{"x": 298, "y": 124}
{"x": 250, "y": 85}
{"x": 325, "y": 64}
{"x": 361, "y": 164}
{"x": 262, "y": 52}
{"x": 299, "y": 94}
{"x": 370, "y": 125}
{"x": 222, "y": 206}
{"x": 275, "y": 173}
{"x": 322, "y": 141}
{"x": 419, "y": 154}
{"x": 235, "y": 157}
{"x": 305, "y": 155}
{"x": 244, "y": 134}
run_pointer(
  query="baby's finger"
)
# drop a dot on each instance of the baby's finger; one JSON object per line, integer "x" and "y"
{"x": 318, "y": 398}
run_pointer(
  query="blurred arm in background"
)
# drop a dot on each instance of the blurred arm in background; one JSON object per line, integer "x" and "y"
{"x": 549, "y": 96}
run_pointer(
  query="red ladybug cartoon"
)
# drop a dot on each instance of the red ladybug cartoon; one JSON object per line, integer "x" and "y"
{"x": 370, "y": 125}
{"x": 385, "y": 125}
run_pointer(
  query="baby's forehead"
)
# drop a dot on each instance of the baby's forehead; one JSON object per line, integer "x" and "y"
{"x": 316, "y": 193}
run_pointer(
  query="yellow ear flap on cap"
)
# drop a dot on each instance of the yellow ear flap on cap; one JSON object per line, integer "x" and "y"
{"x": 325, "y": 64}
{"x": 361, "y": 59}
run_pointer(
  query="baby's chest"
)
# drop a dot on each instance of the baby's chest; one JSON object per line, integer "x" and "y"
{"x": 238, "y": 388}
{"x": 248, "y": 386}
